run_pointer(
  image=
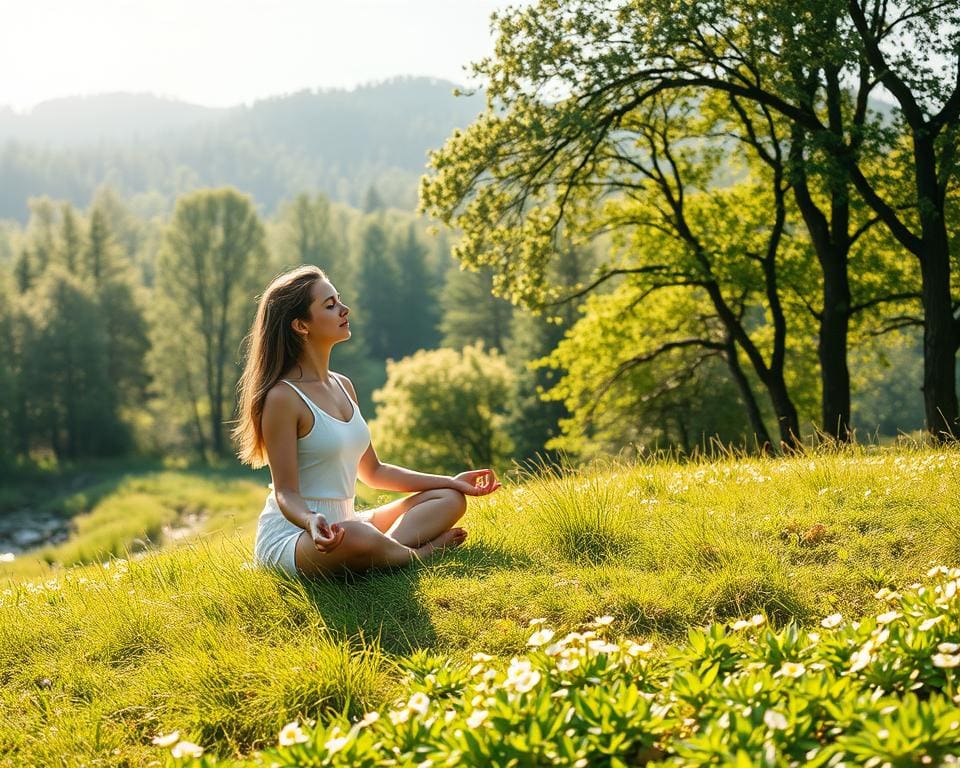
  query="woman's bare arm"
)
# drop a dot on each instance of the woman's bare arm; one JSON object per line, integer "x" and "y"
{"x": 279, "y": 424}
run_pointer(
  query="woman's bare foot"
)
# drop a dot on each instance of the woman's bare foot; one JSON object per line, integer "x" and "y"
{"x": 449, "y": 539}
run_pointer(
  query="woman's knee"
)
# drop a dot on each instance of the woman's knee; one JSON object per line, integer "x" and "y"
{"x": 456, "y": 500}
{"x": 360, "y": 539}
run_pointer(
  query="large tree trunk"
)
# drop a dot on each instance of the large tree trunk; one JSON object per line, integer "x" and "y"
{"x": 832, "y": 346}
{"x": 939, "y": 344}
{"x": 939, "y": 335}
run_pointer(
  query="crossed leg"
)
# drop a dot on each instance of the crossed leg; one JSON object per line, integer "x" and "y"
{"x": 416, "y": 526}
{"x": 420, "y": 517}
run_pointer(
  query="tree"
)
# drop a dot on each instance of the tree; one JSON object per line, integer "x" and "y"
{"x": 517, "y": 183}
{"x": 66, "y": 367}
{"x": 444, "y": 410}
{"x": 212, "y": 265}
{"x": 307, "y": 236}
{"x": 793, "y": 59}
{"x": 377, "y": 282}
{"x": 70, "y": 244}
{"x": 9, "y": 379}
{"x": 681, "y": 394}
{"x": 419, "y": 316}
{"x": 535, "y": 419}
{"x": 472, "y": 311}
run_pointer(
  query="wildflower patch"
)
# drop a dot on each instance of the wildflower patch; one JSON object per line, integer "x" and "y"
{"x": 881, "y": 690}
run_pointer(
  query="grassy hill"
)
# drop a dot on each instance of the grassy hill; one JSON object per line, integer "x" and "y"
{"x": 98, "y": 660}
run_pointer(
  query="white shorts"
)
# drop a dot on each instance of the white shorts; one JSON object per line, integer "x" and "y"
{"x": 276, "y": 539}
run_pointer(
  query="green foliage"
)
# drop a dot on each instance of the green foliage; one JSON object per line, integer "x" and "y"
{"x": 444, "y": 409}
{"x": 71, "y": 394}
{"x": 636, "y": 380}
{"x": 377, "y": 281}
{"x": 209, "y": 271}
{"x": 471, "y": 311}
{"x": 307, "y": 235}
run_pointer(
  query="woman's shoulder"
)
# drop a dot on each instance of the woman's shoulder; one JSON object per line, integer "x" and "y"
{"x": 280, "y": 394}
{"x": 348, "y": 385}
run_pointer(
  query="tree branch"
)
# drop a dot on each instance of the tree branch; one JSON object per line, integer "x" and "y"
{"x": 893, "y": 83}
{"x": 890, "y": 298}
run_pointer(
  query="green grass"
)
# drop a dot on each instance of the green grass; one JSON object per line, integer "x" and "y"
{"x": 95, "y": 661}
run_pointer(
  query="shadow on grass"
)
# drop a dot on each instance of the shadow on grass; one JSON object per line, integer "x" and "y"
{"x": 387, "y": 606}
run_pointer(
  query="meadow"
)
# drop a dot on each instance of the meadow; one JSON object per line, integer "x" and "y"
{"x": 168, "y": 630}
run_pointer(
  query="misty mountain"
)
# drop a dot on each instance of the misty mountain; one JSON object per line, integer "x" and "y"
{"x": 336, "y": 141}
{"x": 81, "y": 120}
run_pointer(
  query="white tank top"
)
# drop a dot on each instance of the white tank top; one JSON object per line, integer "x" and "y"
{"x": 329, "y": 454}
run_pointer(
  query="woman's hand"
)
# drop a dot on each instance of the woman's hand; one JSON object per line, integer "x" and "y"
{"x": 325, "y": 537}
{"x": 476, "y": 482}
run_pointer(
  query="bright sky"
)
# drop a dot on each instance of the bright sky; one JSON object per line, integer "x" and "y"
{"x": 226, "y": 52}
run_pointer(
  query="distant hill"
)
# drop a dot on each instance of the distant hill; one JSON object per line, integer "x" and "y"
{"x": 81, "y": 120}
{"x": 336, "y": 141}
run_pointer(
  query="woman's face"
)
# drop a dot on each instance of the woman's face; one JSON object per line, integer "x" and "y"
{"x": 328, "y": 315}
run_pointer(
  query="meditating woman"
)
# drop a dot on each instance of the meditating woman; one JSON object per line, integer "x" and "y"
{"x": 303, "y": 420}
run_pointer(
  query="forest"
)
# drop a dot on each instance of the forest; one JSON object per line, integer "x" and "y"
{"x": 690, "y": 270}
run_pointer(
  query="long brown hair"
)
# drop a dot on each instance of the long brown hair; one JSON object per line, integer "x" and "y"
{"x": 273, "y": 347}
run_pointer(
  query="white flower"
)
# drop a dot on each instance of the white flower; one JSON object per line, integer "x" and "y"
{"x": 336, "y": 743}
{"x": 559, "y": 693}
{"x": 540, "y": 637}
{"x": 478, "y": 657}
{"x": 740, "y": 624}
{"x": 167, "y": 741}
{"x": 522, "y": 680}
{"x": 930, "y": 623}
{"x": 774, "y": 720}
{"x": 369, "y": 719}
{"x": 554, "y": 649}
{"x": 638, "y": 650}
{"x": 291, "y": 733}
{"x": 186, "y": 749}
{"x": 567, "y": 665}
{"x": 602, "y": 646}
{"x": 476, "y": 718}
{"x": 602, "y": 621}
{"x": 861, "y": 658}
{"x": 757, "y": 620}
{"x": 945, "y": 661}
{"x": 948, "y": 647}
{"x": 792, "y": 669}
{"x": 886, "y": 618}
{"x": 419, "y": 702}
{"x": 833, "y": 620}
{"x": 399, "y": 716}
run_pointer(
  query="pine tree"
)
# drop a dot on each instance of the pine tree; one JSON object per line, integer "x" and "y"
{"x": 417, "y": 299}
{"x": 377, "y": 293}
